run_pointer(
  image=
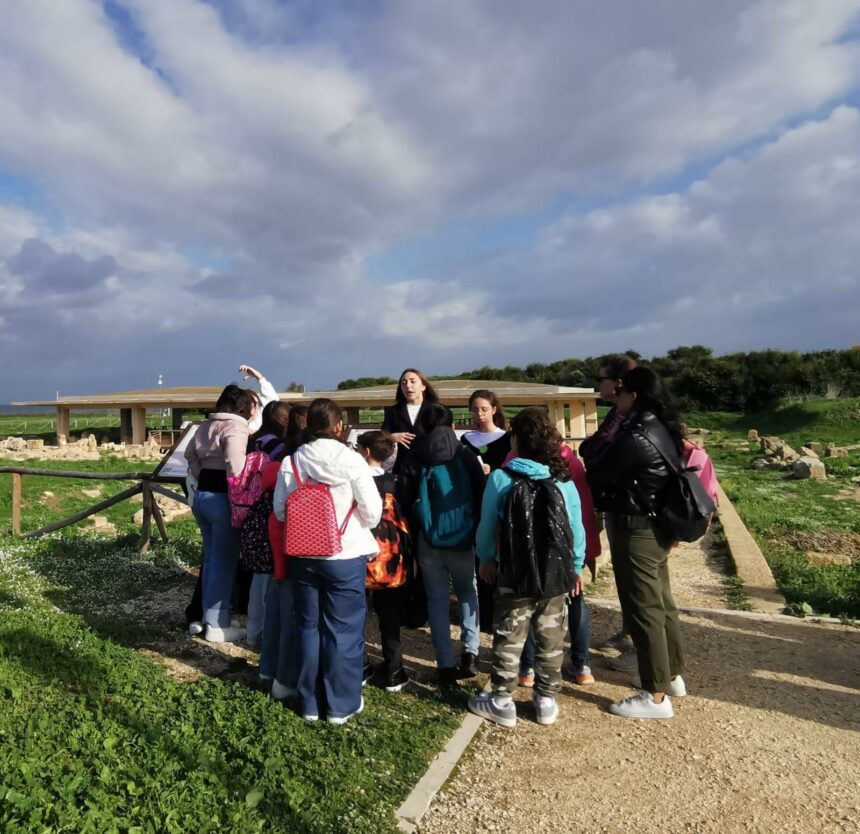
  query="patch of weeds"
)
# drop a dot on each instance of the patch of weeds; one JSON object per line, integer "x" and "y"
{"x": 720, "y": 557}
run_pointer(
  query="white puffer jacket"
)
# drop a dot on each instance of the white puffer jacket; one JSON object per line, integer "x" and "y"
{"x": 350, "y": 478}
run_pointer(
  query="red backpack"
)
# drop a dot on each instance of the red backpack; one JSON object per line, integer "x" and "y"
{"x": 391, "y": 566}
{"x": 247, "y": 487}
{"x": 310, "y": 522}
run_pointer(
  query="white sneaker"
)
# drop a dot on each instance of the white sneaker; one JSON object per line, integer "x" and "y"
{"x": 195, "y": 628}
{"x": 546, "y": 709}
{"x": 486, "y": 706}
{"x": 676, "y": 688}
{"x": 224, "y": 635}
{"x": 643, "y": 705}
{"x": 342, "y": 719}
{"x": 280, "y": 692}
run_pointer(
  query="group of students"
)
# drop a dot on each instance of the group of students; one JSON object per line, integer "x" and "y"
{"x": 503, "y": 516}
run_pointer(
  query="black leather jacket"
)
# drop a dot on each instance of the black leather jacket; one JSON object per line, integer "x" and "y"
{"x": 630, "y": 475}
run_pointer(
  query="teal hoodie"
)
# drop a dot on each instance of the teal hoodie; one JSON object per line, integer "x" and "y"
{"x": 493, "y": 507}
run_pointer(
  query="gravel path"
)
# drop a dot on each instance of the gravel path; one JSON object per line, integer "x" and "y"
{"x": 767, "y": 740}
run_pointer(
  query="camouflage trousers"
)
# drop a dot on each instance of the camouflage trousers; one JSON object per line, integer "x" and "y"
{"x": 513, "y": 617}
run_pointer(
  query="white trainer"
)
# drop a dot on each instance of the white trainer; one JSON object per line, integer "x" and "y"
{"x": 195, "y": 628}
{"x": 486, "y": 706}
{"x": 231, "y": 634}
{"x": 676, "y": 688}
{"x": 643, "y": 705}
{"x": 342, "y": 719}
{"x": 546, "y": 709}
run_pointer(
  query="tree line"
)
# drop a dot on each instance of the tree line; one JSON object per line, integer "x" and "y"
{"x": 699, "y": 380}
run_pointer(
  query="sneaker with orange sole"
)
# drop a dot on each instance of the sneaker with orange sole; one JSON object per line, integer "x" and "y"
{"x": 526, "y": 677}
{"x": 581, "y": 675}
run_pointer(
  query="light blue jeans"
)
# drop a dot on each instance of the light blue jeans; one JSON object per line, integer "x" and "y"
{"x": 440, "y": 569}
{"x": 220, "y": 555}
{"x": 279, "y": 656}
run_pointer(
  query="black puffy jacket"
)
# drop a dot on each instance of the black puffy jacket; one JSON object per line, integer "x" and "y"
{"x": 631, "y": 475}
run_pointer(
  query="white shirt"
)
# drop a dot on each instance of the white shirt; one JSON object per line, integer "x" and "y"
{"x": 413, "y": 411}
{"x": 483, "y": 438}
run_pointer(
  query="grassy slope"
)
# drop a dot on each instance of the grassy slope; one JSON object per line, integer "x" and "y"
{"x": 778, "y": 510}
{"x": 94, "y": 737}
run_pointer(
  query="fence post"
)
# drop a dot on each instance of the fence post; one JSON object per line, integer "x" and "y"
{"x": 146, "y": 527}
{"x": 16, "y": 503}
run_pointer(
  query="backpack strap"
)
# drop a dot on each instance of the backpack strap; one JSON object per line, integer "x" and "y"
{"x": 347, "y": 517}
{"x": 657, "y": 444}
{"x": 296, "y": 475}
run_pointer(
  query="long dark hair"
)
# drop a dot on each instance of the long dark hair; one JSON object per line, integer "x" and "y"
{"x": 276, "y": 417}
{"x": 323, "y": 416}
{"x": 430, "y": 394}
{"x": 538, "y": 440}
{"x": 493, "y": 400}
{"x": 653, "y": 395}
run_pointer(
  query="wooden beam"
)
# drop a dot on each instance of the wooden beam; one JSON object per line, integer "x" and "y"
{"x": 176, "y": 417}
{"x": 353, "y": 416}
{"x": 159, "y": 520}
{"x": 65, "y": 473}
{"x": 146, "y": 527}
{"x": 168, "y": 493}
{"x": 102, "y": 505}
{"x": 577, "y": 420}
{"x": 63, "y": 421}
{"x": 556, "y": 414}
{"x": 16, "y": 503}
{"x": 138, "y": 425}
{"x": 590, "y": 414}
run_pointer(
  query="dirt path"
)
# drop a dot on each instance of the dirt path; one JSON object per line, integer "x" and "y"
{"x": 766, "y": 741}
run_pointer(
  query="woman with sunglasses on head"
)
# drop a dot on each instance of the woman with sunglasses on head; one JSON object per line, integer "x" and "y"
{"x": 628, "y": 481}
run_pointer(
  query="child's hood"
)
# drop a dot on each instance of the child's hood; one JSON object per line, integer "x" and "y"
{"x": 530, "y": 468}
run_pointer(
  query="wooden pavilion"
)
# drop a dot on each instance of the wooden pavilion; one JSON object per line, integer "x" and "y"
{"x": 574, "y": 410}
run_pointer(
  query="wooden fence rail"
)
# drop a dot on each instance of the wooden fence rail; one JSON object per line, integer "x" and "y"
{"x": 149, "y": 484}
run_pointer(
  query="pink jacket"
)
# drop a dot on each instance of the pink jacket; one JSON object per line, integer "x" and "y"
{"x": 219, "y": 443}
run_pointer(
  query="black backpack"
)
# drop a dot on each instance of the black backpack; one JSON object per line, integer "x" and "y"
{"x": 535, "y": 540}
{"x": 685, "y": 508}
{"x": 255, "y": 551}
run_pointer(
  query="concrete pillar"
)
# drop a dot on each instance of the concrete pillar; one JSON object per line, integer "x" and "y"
{"x": 177, "y": 418}
{"x": 125, "y": 425}
{"x": 138, "y": 425}
{"x": 590, "y": 413}
{"x": 577, "y": 419}
{"x": 353, "y": 416}
{"x": 63, "y": 422}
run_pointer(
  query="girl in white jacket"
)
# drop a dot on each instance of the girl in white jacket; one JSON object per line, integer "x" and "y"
{"x": 329, "y": 590}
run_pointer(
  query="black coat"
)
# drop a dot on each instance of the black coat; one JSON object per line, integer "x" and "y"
{"x": 396, "y": 419}
{"x": 630, "y": 475}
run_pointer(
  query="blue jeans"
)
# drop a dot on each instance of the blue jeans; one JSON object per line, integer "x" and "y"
{"x": 257, "y": 607}
{"x": 220, "y": 555}
{"x": 330, "y": 613}
{"x": 579, "y": 624}
{"x": 279, "y": 656}
{"x": 440, "y": 568}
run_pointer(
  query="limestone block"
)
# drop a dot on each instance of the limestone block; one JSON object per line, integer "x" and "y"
{"x": 815, "y": 558}
{"x": 785, "y": 452}
{"x": 816, "y": 447}
{"x": 752, "y": 434}
{"x": 835, "y": 452}
{"x": 35, "y": 445}
{"x": 16, "y": 444}
{"x": 809, "y": 468}
{"x": 806, "y": 452}
{"x": 61, "y": 440}
{"x": 100, "y": 521}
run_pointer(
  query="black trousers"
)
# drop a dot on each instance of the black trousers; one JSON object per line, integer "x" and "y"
{"x": 390, "y": 608}
{"x": 485, "y": 601}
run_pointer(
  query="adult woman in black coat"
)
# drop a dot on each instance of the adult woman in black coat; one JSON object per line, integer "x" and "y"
{"x": 402, "y": 420}
{"x": 629, "y": 481}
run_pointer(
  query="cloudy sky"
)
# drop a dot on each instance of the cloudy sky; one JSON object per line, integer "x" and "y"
{"x": 337, "y": 189}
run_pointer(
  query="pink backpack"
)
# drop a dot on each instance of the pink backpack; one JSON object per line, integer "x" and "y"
{"x": 696, "y": 456}
{"x": 310, "y": 522}
{"x": 247, "y": 487}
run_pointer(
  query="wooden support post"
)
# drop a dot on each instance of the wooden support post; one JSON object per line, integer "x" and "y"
{"x": 146, "y": 526}
{"x": 16, "y": 504}
{"x": 159, "y": 520}
{"x": 63, "y": 421}
{"x": 138, "y": 425}
{"x": 125, "y": 425}
{"x": 556, "y": 414}
{"x": 176, "y": 415}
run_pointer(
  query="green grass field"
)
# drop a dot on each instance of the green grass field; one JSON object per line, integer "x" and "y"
{"x": 790, "y": 517}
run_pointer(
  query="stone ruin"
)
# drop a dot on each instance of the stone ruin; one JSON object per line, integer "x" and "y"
{"x": 780, "y": 457}
{"x": 87, "y": 447}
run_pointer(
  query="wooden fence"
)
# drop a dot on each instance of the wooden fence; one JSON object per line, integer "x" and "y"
{"x": 149, "y": 484}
